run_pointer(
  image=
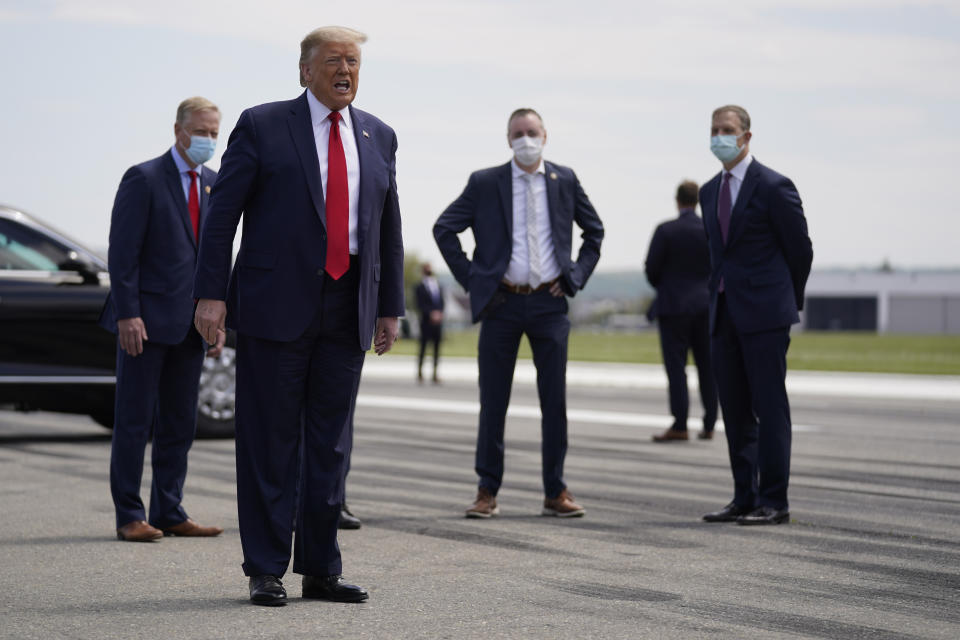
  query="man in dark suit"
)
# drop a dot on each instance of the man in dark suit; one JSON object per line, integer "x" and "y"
{"x": 153, "y": 253}
{"x": 678, "y": 266}
{"x": 521, "y": 214}
{"x": 430, "y": 309}
{"x": 319, "y": 273}
{"x": 760, "y": 255}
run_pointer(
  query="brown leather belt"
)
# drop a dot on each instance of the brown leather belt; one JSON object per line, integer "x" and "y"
{"x": 525, "y": 289}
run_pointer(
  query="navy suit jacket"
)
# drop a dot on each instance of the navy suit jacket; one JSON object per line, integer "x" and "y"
{"x": 153, "y": 252}
{"x": 678, "y": 266}
{"x": 486, "y": 206}
{"x": 426, "y": 303}
{"x": 766, "y": 260}
{"x": 270, "y": 174}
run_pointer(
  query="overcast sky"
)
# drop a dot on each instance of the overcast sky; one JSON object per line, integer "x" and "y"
{"x": 857, "y": 100}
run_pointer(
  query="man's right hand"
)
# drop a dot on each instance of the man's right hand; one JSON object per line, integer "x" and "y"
{"x": 211, "y": 316}
{"x": 131, "y": 332}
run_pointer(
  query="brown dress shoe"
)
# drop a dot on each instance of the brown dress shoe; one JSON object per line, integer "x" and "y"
{"x": 485, "y": 506}
{"x": 189, "y": 528}
{"x": 671, "y": 434}
{"x": 705, "y": 435}
{"x": 138, "y": 531}
{"x": 562, "y": 506}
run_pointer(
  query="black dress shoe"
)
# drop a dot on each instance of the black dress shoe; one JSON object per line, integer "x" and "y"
{"x": 267, "y": 590}
{"x": 729, "y": 513}
{"x": 765, "y": 515}
{"x": 332, "y": 588}
{"x": 347, "y": 519}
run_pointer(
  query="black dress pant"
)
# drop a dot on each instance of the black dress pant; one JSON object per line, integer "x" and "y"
{"x": 156, "y": 395}
{"x": 751, "y": 371}
{"x": 294, "y": 411}
{"x": 680, "y": 334}
{"x": 543, "y": 318}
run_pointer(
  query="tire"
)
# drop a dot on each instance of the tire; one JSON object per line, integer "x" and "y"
{"x": 216, "y": 401}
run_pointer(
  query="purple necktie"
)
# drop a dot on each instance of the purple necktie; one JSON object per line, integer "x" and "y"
{"x": 724, "y": 206}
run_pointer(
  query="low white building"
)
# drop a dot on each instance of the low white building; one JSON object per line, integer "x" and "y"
{"x": 883, "y": 301}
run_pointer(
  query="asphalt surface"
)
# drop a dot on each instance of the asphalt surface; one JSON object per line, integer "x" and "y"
{"x": 872, "y": 550}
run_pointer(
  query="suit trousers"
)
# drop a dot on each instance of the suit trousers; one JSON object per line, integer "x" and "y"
{"x": 543, "y": 318}
{"x": 680, "y": 334}
{"x": 430, "y": 333}
{"x": 294, "y": 411}
{"x": 156, "y": 395}
{"x": 751, "y": 371}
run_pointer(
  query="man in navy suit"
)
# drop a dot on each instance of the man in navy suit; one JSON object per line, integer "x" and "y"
{"x": 678, "y": 266}
{"x": 153, "y": 253}
{"x": 760, "y": 255}
{"x": 521, "y": 214}
{"x": 319, "y": 273}
{"x": 430, "y": 309}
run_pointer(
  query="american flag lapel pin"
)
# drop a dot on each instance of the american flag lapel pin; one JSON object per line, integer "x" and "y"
{"x": 365, "y": 134}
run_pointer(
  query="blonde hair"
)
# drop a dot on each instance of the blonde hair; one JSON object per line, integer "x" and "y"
{"x": 196, "y": 103}
{"x": 738, "y": 111}
{"x": 323, "y": 35}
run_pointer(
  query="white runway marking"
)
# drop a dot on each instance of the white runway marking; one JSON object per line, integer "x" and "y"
{"x": 468, "y": 407}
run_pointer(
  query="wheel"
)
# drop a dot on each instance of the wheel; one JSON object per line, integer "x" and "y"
{"x": 217, "y": 394}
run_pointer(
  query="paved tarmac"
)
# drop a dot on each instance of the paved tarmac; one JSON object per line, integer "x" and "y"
{"x": 872, "y": 549}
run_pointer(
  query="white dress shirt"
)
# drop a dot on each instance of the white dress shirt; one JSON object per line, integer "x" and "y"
{"x": 321, "y": 132}
{"x": 433, "y": 287}
{"x": 183, "y": 168}
{"x": 737, "y": 174}
{"x": 518, "y": 272}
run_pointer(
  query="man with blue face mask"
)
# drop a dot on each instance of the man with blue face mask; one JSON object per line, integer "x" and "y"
{"x": 154, "y": 229}
{"x": 522, "y": 215}
{"x": 760, "y": 256}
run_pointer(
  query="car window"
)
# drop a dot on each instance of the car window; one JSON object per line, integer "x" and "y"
{"x": 22, "y": 248}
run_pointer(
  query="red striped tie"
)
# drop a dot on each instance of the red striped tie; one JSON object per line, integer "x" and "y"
{"x": 193, "y": 204}
{"x": 338, "y": 204}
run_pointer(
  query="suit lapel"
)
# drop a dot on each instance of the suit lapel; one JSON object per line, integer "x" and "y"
{"x": 505, "y": 187}
{"x": 362, "y": 138}
{"x": 553, "y": 198}
{"x": 175, "y": 184}
{"x": 206, "y": 180}
{"x": 301, "y": 130}
{"x": 746, "y": 192}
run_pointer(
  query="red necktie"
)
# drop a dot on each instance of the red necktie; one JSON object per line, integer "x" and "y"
{"x": 193, "y": 204}
{"x": 338, "y": 204}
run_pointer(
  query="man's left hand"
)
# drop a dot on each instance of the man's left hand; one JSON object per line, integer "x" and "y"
{"x": 386, "y": 334}
{"x": 556, "y": 290}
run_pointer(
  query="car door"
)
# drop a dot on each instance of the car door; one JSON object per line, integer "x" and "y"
{"x": 50, "y": 301}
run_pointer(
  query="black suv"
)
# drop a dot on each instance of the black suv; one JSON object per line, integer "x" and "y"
{"x": 53, "y": 354}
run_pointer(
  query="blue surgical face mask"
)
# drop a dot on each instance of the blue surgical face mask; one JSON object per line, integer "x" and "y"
{"x": 725, "y": 147}
{"x": 200, "y": 149}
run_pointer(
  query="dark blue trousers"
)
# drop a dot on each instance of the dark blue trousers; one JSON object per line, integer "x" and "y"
{"x": 156, "y": 393}
{"x": 751, "y": 370}
{"x": 679, "y": 335}
{"x": 543, "y": 318}
{"x": 294, "y": 408}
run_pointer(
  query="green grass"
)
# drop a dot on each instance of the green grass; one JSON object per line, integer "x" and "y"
{"x": 812, "y": 350}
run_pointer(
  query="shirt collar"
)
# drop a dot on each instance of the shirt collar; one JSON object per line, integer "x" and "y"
{"x": 182, "y": 166}
{"x": 319, "y": 112}
{"x": 519, "y": 173}
{"x": 740, "y": 170}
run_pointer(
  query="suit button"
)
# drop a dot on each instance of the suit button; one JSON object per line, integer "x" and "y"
{"x": 320, "y": 272}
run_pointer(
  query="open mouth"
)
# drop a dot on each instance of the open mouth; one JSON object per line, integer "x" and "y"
{"x": 342, "y": 86}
